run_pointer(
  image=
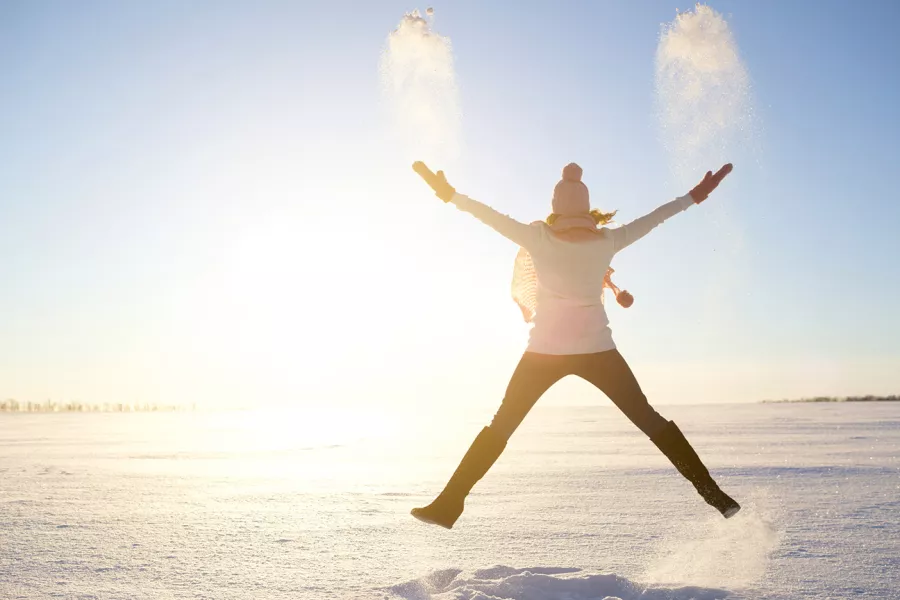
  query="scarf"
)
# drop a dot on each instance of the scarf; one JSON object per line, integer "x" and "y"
{"x": 524, "y": 282}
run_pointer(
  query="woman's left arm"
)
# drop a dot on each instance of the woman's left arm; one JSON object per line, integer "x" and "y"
{"x": 520, "y": 233}
{"x": 525, "y": 235}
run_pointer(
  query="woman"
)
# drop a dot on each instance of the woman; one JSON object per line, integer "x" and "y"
{"x": 569, "y": 256}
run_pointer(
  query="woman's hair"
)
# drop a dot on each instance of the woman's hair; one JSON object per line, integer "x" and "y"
{"x": 601, "y": 218}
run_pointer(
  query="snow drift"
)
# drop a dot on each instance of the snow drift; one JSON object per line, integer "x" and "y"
{"x": 539, "y": 583}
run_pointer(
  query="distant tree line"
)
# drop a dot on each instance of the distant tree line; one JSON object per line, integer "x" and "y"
{"x": 49, "y": 406}
{"x": 844, "y": 399}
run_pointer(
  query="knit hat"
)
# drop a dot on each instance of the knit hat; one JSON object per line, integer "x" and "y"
{"x": 570, "y": 196}
{"x": 571, "y": 203}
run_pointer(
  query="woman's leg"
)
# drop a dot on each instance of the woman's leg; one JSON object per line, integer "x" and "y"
{"x": 533, "y": 376}
{"x": 609, "y": 372}
{"x": 612, "y": 375}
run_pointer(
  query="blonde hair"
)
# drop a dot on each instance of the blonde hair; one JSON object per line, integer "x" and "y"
{"x": 600, "y": 217}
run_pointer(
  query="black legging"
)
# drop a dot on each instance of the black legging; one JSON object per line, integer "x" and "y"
{"x": 608, "y": 371}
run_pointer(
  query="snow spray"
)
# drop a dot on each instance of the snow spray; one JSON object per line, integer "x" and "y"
{"x": 419, "y": 84}
{"x": 719, "y": 553}
{"x": 706, "y": 117}
{"x": 703, "y": 94}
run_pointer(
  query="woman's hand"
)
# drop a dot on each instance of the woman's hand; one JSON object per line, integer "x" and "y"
{"x": 437, "y": 181}
{"x": 710, "y": 182}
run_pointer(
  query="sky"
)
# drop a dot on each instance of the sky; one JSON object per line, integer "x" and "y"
{"x": 206, "y": 202}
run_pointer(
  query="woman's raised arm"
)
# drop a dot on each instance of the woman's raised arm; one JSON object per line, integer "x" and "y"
{"x": 523, "y": 234}
{"x": 632, "y": 232}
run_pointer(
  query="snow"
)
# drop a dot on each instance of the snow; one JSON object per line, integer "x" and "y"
{"x": 539, "y": 583}
{"x": 240, "y": 505}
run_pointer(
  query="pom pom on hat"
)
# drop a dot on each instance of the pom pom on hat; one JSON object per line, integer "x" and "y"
{"x": 572, "y": 172}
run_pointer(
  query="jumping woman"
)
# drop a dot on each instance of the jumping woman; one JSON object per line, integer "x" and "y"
{"x": 558, "y": 283}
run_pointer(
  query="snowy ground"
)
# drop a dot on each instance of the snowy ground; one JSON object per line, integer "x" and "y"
{"x": 581, "y": 507}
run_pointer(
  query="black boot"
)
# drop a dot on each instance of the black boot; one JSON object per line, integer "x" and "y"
{"x": 673, "y": 444}
{"x": 447, "y": 507}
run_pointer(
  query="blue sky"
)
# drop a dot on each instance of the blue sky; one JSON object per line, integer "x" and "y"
{"x": 204, "y": 202}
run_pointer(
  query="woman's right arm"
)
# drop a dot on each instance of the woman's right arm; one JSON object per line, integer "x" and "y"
{"x": 628, "y": 234}
{"x": 632, "y": 232}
